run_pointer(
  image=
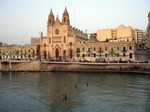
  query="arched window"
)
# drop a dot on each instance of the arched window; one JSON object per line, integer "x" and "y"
{"x": 50, "y": 21}
{"x": 130, "y": 47}
{"x": 64, "y": 19}
{"x": 57, "y": 53}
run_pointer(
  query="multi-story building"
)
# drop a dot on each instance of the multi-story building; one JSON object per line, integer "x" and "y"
{"x": 139, "y": 34}
{"x": 125, "y": 33}
{"x": 94, "y": 49}
{"x": 18, "y": 52}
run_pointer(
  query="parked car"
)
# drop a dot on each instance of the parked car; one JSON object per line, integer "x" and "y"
{"x": 100, "y": 60}
{"x": 85, "y": 61}
{"x": 113, "y": 61}
{"x": 123, "y": 61}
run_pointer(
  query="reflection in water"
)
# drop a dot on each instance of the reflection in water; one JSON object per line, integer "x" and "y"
{"x": 87, "y": 92}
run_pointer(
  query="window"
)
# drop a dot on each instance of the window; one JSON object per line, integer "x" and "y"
{"x": 117, "y": 54}
{"x": 78, "y": 50}
{"x": 106, "y": 55}
{"x": 100, "y": 55}
{"x": 130, "y": 47}
{"x": 89, "y": 49}
{"x": 124, "y": 54}
{"x": 64, "y": 39}
{"x": 124, "y": 48}
{"x": 130, "y": 55}
{"x": 78, "y": 55}
{"x": 94, "y": 49}
{"x": 112, "y": 49}
{"x": 64, "y": 19}
{"x": 57, "y": 31}
{"x": 94, "y": 55}
{"x": 117, "y": 48}
{"x": 89, "y": 55}
{"x": 83, "y": 55}
{"x": 100, "y": 49}
{"x": 83, "y": 49}
{"x": 105, "y": 48}
{"x": 112, "y": 54}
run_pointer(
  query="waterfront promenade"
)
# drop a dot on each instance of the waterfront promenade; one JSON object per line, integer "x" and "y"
{"x": 33, "y": 66}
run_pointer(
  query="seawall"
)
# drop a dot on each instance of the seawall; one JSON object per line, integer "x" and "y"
{"x": 74, "y": 67}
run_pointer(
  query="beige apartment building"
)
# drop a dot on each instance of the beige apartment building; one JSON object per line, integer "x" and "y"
{"x": 139, "y": 35}
{"x": 122, "y": 33}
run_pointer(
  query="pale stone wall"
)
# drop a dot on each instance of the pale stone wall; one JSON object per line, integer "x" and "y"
{"x": 121, "y": 33}
{"x": 35, "y": 40}
{"x": 20, "y": 66}
{"x": 94, "y": 67}
{"x": 75, "y": 67}
{"x": 104, "y": 34}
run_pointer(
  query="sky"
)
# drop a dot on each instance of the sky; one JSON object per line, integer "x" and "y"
{"x": 22, "y": 19}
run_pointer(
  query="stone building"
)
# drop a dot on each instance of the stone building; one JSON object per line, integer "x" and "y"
{"x": 59, "y": 44}
{"x": 126, "y": 33}
{"x": 95, "y": 50}
{"x": 18, "y": 52}
{"x": 139, "y": 34}
{"x": 122, "y": 33}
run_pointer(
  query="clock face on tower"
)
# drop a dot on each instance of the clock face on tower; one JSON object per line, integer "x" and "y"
{"x": 57, "y": 31}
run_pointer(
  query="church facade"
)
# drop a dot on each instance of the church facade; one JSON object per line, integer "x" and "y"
{"x": 59, "y": 44}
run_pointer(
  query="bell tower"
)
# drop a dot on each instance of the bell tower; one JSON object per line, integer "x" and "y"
{"x": 65, "y": 18}
{"x": 51, "y": 19}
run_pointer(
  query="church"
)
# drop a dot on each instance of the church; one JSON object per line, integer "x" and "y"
{"x": 61, "y": 39}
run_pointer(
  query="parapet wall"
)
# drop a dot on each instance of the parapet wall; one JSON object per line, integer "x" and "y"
{"x": 96, "y": 67}
{"x": 20, "y": 66}
{"x": 75, "y": 67}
